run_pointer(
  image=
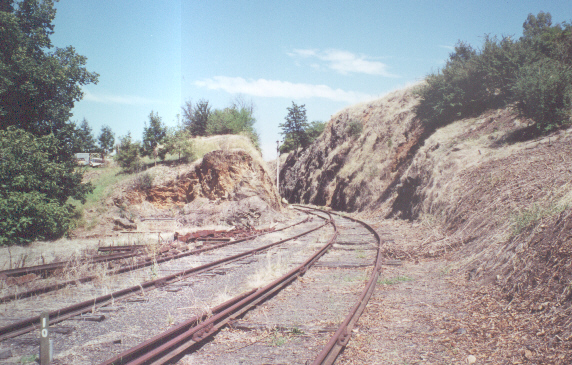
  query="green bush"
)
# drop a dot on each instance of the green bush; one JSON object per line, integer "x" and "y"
{"x": 128, "y": 154}
{"x": 355, "y": 128}
{"x": 36, "y": 184}
{"x": 535, "y": 72}
{"x": 143, "y": 181}
{"x": 544, "y": 92}
{"x": 236, "y": 119}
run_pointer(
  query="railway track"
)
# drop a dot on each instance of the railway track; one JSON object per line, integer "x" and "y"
{"x": 133, "y": 251}
{"x": 345, "y": 266}
{"x": 172, "y": 344}
{"x": 29, "y": 324}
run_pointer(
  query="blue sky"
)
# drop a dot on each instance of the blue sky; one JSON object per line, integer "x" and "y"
{"x": 158, "y": 54}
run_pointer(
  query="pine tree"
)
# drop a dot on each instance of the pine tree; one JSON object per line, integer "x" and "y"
{"x": 295, "y": 126}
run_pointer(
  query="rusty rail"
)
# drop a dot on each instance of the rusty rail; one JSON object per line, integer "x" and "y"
{"x": 43, "y": 269}
{"x": 167, "y": 346}
{"x": 29, "y": 324}
{"x": 147, "y": 261}
{"x": 120, "y": 248}
{"x": 342, "y": 336}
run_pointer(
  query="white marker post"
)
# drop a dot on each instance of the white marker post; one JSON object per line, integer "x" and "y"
{"x": 45, "y": 342}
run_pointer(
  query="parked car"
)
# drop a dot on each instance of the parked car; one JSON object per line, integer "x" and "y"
{"x": 95, "y": 162}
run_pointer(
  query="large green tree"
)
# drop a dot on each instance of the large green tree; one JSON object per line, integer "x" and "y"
{"x": 295, "y": 126}
{"x": 39, "y": 84}
{"x": 37, "y": 178}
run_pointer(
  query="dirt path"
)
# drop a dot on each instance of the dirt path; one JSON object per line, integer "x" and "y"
{"x": 410, "y": 319}
{"x": 427, "y": 311}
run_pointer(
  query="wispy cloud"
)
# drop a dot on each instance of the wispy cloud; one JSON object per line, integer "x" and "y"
{"x": 450, "y": 48}
{"x": 282, "y": 89}
{"x": 344, "y": 62}
{"x": 116, "y": 99}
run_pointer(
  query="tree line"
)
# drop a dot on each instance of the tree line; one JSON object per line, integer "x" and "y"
{"x": 198, "y": 119}
{"x": 533, "y": 72}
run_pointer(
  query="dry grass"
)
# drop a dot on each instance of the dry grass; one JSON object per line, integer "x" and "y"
{"x": 203, "y": 145}
{"x": 45, "y": 252}
{"x": 274, "y": 268}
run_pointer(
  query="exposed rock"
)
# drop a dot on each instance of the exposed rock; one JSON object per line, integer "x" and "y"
{"x": 352, "y": 172}
{"x": 225, "y": 187}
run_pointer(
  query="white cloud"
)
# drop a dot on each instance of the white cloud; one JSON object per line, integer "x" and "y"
{"x": 116, "y": 99}
{"x": 345, "y": 62}
{"x": 450, "y": 48}
{"x": 281, "y": 89}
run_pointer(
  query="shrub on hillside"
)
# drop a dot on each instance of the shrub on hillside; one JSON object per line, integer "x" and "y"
{"x": 143, "y": 181}
{"x": 355, "y": 128}
{"x": 236, "y": 119}
{"x": 534, "y": 72}
{"x": 128, "y": 154}
{"x": 544, "y": 92}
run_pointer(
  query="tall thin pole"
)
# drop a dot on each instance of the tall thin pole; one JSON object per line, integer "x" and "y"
{"x": 278, "y": 167}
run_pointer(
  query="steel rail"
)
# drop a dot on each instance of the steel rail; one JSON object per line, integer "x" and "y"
{"x": 29, "y": 324}
{"x": 147, "y": 261}
{"x": 120, "y": 248}
{"x": 42, "y": 269}
{"x": 342, "y": 336}
{"x": 164, "y": 347}
{"x": 45, "y": 268}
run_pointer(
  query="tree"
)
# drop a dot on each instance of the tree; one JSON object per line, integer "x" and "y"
{"x": 128, "y": 154}
{"x": 153, "y": 136}
{"x": 536, "y": 25}
{"x": 38, "y": 85}
{"x": 315, "y": 129}
{"x": 195, "y": 118}
{"x": 312, "y": 132}
{"x": 295, "y": 126}
{"x": 106, "y": 141}
{"x": 180, "y": 142}
{"x": 84, "y": 140}
{"x": 235, "y": 119}
{"x": 37, "y": 179}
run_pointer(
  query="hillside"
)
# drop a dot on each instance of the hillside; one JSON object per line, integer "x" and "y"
{"x": 228, "y": 186}
{"x": 494, "y": 201}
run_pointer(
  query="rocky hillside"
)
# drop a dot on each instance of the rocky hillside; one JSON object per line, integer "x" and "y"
{"x": 497, "y": 196}
{"x": 360, "y": 157}
{"x": 228, "y": 186}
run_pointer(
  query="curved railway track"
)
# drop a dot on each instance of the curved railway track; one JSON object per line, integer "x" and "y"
{"x": 172, "y": 344}
{"x": 345, "y": 269}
